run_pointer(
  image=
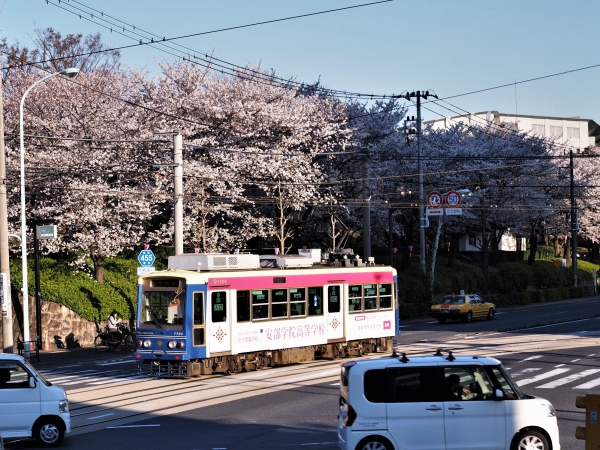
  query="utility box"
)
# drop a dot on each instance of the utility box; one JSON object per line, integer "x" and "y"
{"x": 591, "y": 432}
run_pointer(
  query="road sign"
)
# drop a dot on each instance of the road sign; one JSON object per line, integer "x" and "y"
{"x": 145, "y": 270}
{"x": 453, "y": 211}
{"x": 45, "y": 231}
{"x": 453, "y": 199}
{"x": 434, "y": 211}
{"x": 434, "y": 199}
{"x": 146, "y": 258}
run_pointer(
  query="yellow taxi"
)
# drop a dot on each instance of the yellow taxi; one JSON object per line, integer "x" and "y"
{"x": 465, "y": 307}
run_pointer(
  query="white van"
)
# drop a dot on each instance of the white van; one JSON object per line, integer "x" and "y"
{"x": 439, "y": 402}
{"x": 31, "y": 406}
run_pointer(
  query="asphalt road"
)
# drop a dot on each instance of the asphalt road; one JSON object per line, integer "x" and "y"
{"x": 552, "y": 348}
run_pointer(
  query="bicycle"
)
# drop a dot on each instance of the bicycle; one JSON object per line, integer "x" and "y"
{"x": 104, "y": 340}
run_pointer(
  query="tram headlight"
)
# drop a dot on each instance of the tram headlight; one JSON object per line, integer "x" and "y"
{"x": 180, "y": 344}
{"x": 146, "y": 343}
{"x": 171, "y": 344}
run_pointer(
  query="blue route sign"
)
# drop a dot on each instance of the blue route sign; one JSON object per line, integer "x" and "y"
{"x": 146, "y": 258}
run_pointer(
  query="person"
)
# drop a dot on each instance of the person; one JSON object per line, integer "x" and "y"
{"x": 455, "y": 391}
{"x": 112, "y": 327}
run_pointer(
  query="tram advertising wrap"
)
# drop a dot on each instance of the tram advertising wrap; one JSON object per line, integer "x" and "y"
{"x": 231, "y": 313}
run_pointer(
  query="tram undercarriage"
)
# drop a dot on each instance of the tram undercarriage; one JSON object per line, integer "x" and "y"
{"x": 245, "y": 362}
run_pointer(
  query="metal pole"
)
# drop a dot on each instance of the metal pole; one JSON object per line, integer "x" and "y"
{"x": 178, "y": 186}
{"x": 7, "y": 323}
{"x": 574, "y": 222}
{"x": 421, "y": 193}
{"x": 38, "y": 297}
{"x": 366, "y": 212}
{"x": 69, "y": 73}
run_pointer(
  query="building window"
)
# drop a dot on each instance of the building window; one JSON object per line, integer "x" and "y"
{"x": 556, "y": 131}
{"x": 573, "y": 132}
{"x": 540, "y": 130}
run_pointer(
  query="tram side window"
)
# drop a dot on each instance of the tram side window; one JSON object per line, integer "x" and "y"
{"x": 333, "y": 299}
{"x": 243, "y": 306}
{"x": 279, "y": 302}
{"x": 370, "y": 297}
{"x": 355, "y": 297}
{"x": 219, "y": 306}
{"x": 260, "y": 304}
{"x": 298, "y": 302}
{"x": 385, "y": 296}
{"x": 315, "y": 301}
{"x": 198, "y": 328}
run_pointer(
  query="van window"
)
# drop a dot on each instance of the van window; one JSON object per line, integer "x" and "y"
{"x": 467, "y": 383}
{"x": 13, "y": 376}
{"x": 374, "y": 386}
{"x": 418, "y": 384}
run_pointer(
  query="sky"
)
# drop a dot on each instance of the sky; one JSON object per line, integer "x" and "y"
{"x": 450, "y": 47}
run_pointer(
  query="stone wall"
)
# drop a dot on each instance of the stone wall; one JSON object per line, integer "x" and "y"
{"x": 56, "y": 320}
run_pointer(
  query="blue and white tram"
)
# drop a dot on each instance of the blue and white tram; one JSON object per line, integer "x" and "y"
{"x": 225, "y": 313}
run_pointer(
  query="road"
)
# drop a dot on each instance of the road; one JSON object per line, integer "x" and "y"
{"x": 551, "y": 350}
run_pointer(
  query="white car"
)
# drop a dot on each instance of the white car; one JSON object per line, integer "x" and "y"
{"x": 30, "y": 406}
{"x": 440, "y": 402}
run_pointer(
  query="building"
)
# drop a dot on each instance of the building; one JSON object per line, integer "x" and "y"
{"x": 572, "y": 131}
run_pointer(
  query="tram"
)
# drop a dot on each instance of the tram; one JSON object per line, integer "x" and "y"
{"x": 228, "y": 313}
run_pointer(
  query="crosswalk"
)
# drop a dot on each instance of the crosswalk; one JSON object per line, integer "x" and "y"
{"x": 67, "y": 378}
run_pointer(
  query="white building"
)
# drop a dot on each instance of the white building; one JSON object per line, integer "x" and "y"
{"x": 572, "y": 131}
{"x": 508, "y": 242}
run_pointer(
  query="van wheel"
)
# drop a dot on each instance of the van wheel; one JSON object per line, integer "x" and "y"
{"x": 490, "y": 314}
{"x": 531, "y": 439}
{"x": 49, "y": 432}
{"x": 374, "y": 443}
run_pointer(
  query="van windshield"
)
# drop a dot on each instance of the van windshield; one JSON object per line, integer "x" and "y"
{"x": 35, "y": 372}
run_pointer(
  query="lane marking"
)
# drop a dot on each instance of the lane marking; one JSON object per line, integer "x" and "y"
{"x": 117, "y": 362}
{"x": 568, "y": 379}
{"x": 559, "y": 365}
{"x": 135, "y": 426}
{"x": 531, "y": 357}
{"x": 103, "y": 415}
{"x": 542, "y": 376}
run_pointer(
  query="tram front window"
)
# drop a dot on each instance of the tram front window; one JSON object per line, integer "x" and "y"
{"x": 163, "y": 309}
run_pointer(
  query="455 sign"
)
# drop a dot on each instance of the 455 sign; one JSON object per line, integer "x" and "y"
{"x": 146, "y": 259}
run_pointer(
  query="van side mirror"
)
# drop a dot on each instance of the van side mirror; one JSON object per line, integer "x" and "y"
{"x": 31, "y": 382}
{"x": 498, "y": 394}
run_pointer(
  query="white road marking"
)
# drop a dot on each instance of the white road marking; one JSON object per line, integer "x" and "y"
{"x": 568, "y": 379}
{"x": 117, "y": 362}
{"x": 531, "y": 357}
{"x": 559, "y": 365}
{"x": 103, "y": 415}
{"x": 542, "y": 376}
{"x": 135, "y": 426}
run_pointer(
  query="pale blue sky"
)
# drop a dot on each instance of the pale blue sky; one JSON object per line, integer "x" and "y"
{"x": 449, "y": 46}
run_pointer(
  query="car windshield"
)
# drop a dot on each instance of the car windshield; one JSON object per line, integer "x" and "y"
{"x": 454, "y": 299}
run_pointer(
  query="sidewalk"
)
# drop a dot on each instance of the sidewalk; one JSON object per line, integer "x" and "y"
{"x": 72, "y": 356}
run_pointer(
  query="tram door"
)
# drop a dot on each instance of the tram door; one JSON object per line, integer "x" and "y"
{"x": 219, "y": 334}
{"x": 334, "y": 311}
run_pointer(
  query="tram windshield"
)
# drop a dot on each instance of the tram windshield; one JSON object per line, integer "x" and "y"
{"x": 163, "y": 308}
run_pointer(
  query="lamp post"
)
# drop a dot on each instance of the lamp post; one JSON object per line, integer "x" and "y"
{"x": 70, "y": 73}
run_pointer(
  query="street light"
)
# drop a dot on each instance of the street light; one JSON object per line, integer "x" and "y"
{"x": 70, "y": 73}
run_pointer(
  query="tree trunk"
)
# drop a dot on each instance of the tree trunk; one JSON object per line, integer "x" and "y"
{"x": 98, "y": 268}
{"x": 434, "y": 255}
{"x": 532, "y": 249}
{"x": 568, "y": 252}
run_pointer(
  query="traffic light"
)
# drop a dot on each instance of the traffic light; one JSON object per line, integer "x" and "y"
{"x": 591, "y": 432}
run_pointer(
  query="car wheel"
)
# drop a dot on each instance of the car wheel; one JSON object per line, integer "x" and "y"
{"x": 48, "y": 432}
{"x": 468, "y": 317}
{"x": 531, "y": 439}
{"x": 442, "y": 320}
{"x": 490, "y": 314}
{"x": 374, "y": 443}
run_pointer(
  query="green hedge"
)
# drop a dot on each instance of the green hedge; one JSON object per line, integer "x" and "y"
{"x": 80, "y": 292}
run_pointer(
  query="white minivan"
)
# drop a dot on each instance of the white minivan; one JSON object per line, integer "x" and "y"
{"x": 31, "y": 406}
{"x": 440, "y": 402}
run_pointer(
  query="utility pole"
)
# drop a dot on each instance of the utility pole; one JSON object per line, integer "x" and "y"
{"x": 366, "y": 211}
{"x": 423, "y": 223}
{"x": 574, "y": 222}
{"x": 178, "y": 185}
{"x": 7, "y": 324}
